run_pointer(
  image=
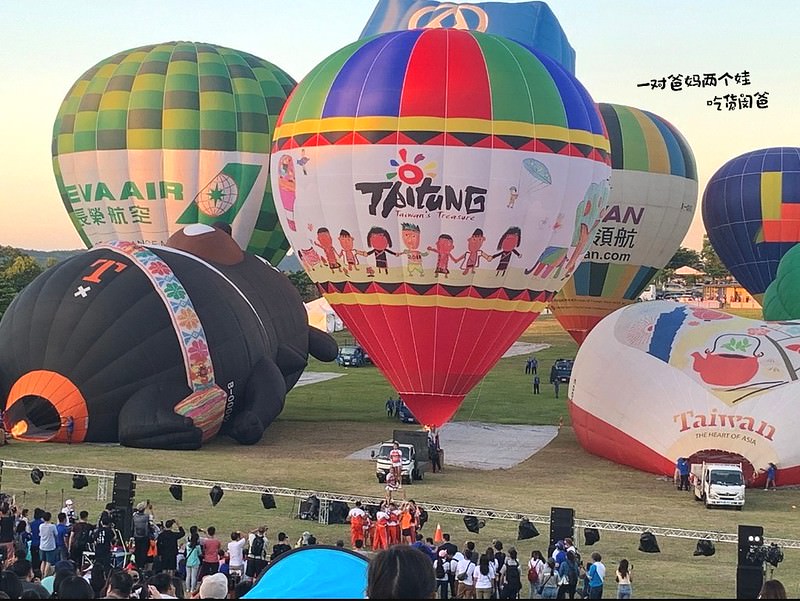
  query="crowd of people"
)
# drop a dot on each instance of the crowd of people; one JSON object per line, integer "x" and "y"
{"x": 75, "y": 558}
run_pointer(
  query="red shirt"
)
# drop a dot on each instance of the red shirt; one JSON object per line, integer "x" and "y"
{"x": 210, "y": 549}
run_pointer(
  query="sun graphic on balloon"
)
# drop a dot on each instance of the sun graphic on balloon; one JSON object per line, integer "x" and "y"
{"x": 411, "y": 173}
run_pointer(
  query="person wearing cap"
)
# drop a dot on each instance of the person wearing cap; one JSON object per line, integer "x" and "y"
{"x": 257, "y": 542}
{"x": 282, "y": 547}
{"x": 214, "y": 586}
{"x": 143, "y": 532}
{"x": 69, "y": 510}
{"x": 441, "y": 569}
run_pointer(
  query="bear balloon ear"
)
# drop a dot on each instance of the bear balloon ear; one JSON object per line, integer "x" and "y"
{"x": 321, "y": 345}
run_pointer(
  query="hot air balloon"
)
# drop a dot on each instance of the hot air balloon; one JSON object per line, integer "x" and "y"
{"x": 751, "y": 211}
{"x": 414, "y": 141}
{"x": 652, "y": 202}
{"x": 781, "y": 300}
{"x": 689, "y": 382}
{"x": 155, "y": 347}
{"x": 160, "y": 136}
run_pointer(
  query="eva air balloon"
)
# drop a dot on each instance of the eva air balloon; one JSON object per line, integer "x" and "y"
{"x": 438, "y": 185}
{"x": 161, "y": 136}
{"x": 652, "y": 203}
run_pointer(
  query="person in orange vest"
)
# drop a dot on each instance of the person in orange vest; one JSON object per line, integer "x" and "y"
{"x": 407, "y": 523}
{"x": 380, "y": 539}
{"x": 356, "y": 518}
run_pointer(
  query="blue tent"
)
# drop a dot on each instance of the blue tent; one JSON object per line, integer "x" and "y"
{"x": 313, "y": 572}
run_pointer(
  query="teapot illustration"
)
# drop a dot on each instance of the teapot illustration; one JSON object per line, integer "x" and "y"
{"x": 733, "y": 364}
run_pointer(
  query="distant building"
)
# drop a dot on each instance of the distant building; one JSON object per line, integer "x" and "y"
{"x": 730, "y": 295}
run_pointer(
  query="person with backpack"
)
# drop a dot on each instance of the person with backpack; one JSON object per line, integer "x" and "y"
{"x": 257, "y": 552}
{"x": 499, "y": 560}
{"x": 143, "y": 533}
{"x": 548, "y": 580}
{"x": 536, "y": 567}
{"x": 568, "y": 576}
{"x": 510, "y": 578}
{"x": 441, "y": 569}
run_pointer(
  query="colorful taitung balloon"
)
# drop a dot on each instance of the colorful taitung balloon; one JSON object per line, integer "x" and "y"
{"x": 417, "y": 206}
{"x": 651, "y": 206}
{"x": 751, "y": 211}
{"x": 161, "y": 136}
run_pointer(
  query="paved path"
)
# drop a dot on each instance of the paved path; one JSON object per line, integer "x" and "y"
{"x": 484, "y": 446}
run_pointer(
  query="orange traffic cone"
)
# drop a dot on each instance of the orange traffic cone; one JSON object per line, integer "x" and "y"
{"x": 437, "y": 536}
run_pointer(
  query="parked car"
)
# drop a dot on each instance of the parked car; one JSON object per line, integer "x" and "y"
{"x": 404, "y": 415}
{"x": 562, "y": 370}
{"x": 352, "y": 356}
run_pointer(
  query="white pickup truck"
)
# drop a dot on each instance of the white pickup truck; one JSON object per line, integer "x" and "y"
{"x": 410, "y": 469}
{"x": 718, "y": 484}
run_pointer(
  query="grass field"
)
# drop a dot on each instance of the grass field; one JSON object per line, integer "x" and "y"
{"x": 323, "y": 423}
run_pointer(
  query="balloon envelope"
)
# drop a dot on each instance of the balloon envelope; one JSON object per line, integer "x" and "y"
{"x": 688, "y": 382}
{"x": 751, "y": 211}
{"x": 160, "y": 136}
{"x": 531, "y": 24}
{"x": 401, "y": 160}
{"x": 651, "y": 206}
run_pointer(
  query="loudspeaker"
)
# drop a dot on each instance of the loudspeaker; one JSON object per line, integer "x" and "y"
{"x": 750, "y": 537}
{"x": 79, "y": 481}
{"x": 176, "y": 490}
{"x": 337, "y": 512}
{"x": 268, "y": 501}
{"x": 648, "y": 543}
{"x": 472, "y": 524}
{"x": 749, "y": 580}
{"x": 562, "y": 524}
{"x": 423, "y": 517}
{"x": 124, "y": 489}
{"x": 309, "y": 509}
{"x": 591, "y": 536}
{"x": 705, "y": 547}
{"x": 526, "y": 530}
{"x": 216, "y": 493}
{"x": 122, "y": 516}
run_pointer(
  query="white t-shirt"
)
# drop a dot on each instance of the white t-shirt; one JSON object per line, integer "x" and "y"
{"x": 469, "y": 580}
{"x": 484, "y": 580}
{"x": 47, "y": 536}
{"x": 600, "y": 568}
{"x": 235, "y": 551}
{"x": 356, "y": 511}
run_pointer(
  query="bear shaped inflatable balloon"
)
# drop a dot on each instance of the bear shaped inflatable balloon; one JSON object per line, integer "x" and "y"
{"x": 155, "y": 346}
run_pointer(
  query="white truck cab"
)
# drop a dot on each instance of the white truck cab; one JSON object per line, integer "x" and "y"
{"x": 383, "y": 464}
{"x": 718, "y": 484}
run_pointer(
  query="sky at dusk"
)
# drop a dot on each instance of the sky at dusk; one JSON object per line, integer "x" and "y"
{"x": 48, "y": 44}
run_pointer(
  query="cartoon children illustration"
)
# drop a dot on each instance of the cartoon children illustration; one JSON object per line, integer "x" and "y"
{"x": 380, "y": 242}
{"x": 444, "y": 252}
{"x": 348, "y": 254}
{"x": 410, "y": 233}
{"x": 325, "y": 242}
{"x": 507, "y": 246}
{"x": 513, "y": 195}
{"x": 474, "y": 253}
{"x": 309, "y": 258}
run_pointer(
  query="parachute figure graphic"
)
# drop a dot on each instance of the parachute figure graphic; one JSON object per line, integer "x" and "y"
{"x": 155, "y": 347}
{"x": 417, "y": 189}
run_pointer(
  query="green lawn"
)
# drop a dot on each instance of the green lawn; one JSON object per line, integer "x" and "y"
{"x": 323, "y": 423}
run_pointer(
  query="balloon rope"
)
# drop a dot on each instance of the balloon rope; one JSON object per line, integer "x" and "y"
{"x": 480, "y": 388}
